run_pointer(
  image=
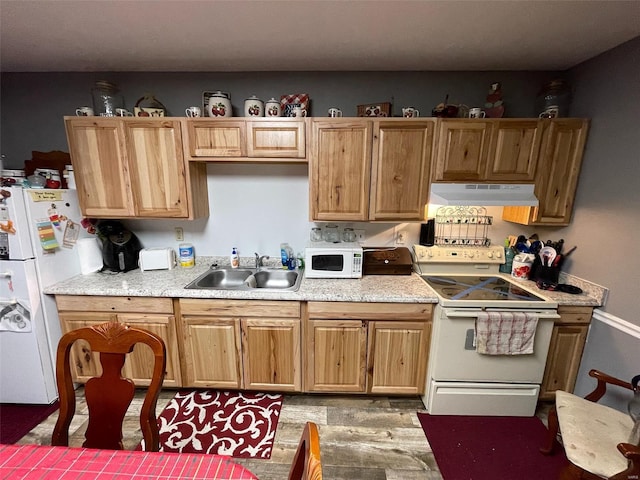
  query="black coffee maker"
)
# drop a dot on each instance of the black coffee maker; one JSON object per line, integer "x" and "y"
{"x": 120, "y": 247}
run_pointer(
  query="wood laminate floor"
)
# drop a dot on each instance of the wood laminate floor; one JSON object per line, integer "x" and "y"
{"x": 361, "y": 437}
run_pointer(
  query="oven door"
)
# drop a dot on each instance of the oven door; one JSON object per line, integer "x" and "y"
{"x": 463, "y": 382}
{"x": 455, "y": 358}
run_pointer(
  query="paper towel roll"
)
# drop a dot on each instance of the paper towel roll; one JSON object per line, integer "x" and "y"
{"x": 90, "y": 255}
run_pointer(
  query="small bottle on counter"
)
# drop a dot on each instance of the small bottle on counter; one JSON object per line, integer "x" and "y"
{"x": 234, "y": 259}
{"x": 509, "y": 253}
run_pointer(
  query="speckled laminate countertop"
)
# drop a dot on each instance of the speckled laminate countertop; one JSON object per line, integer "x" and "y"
{"x": 370, "y": 288}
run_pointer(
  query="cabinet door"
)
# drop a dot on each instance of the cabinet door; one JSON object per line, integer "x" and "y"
{"x": 101, "y": 170}
{"x": 463, "y": 146}
{"x": 340, "y": 170}
{"x": 276, "y": 138}
{"x": 400, "y": 170}
{"x": 337, "y": 357}
{"x": 84, "y": 363}
{"x": 558, "y": 171}
{"x": 216, "y": 138}
{"x": 398, "y": 357}
{"x": 271, "y": 354}
{"x": 139, "y": 364}
{"x": 563, "y": 360}
{"x": 212, "y": 352}
{"x": 158, "y": 177}
{"x": 556, "y": 176}
{"x": 514, "y": 149}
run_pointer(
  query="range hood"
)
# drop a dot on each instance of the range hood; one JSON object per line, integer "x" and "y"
{"x": 483, "y": 194}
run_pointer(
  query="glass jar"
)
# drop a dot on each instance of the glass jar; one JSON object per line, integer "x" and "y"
{"x": 554, "y": 99}
{"x": 106, "y": 98}
{"x": 316, "y": 234}
{"x": 348, "y": 235}
{"x": 331, "y": 233}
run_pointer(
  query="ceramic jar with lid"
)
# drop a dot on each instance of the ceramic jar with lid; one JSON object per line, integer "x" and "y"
{"x": 554, "y": 99}
{"x": 219, "y": 105}
{"x": 272, "y": 108}
{"x": 253, "y": 107}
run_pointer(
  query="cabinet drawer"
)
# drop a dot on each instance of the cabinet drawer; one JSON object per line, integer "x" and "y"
{"x": 240, "y": 308}
{"x": 279, "y": 139}
{"x": 370, "y": 311}
{"x": 574, "y": 314}
{"x": 84, "y": 303}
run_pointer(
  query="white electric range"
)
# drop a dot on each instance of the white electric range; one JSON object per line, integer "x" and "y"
{"x": 461, "y": 381}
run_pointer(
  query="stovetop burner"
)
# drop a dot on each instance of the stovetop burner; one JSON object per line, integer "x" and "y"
{"x": 459, "y": 287}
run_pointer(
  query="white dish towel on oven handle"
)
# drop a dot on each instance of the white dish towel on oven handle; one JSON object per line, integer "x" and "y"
{"x": 505, "y": 333}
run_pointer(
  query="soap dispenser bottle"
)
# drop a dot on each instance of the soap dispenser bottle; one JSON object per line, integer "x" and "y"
{"x": 234, "y": 259}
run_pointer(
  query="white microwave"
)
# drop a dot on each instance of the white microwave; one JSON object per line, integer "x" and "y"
{"x": 333, "y": 260}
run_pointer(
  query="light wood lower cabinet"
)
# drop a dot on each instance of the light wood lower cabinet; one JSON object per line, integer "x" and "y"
{"x": 367, "y": 347}
{"x": 152, "y": 314}
{"x": 565, "y": 351}
{"x": 241, "y": 344}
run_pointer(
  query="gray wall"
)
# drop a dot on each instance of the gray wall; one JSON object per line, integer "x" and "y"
{"x": 607, "y": 215}
{"x": 607, "y": 210}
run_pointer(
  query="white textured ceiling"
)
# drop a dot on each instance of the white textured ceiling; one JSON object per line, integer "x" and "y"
{"x": 309, "y": 35}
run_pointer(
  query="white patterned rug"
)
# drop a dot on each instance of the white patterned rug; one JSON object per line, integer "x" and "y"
{"x": 238, "y": 424}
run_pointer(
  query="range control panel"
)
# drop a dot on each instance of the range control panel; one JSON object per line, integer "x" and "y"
{"x": 459, "y": 254}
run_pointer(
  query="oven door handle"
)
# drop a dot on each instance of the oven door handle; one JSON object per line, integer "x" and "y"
{"x": 474, "y": 313}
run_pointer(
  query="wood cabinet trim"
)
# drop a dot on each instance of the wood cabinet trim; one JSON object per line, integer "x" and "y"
{"x": 240, "y": 308}
{"x": 84, "y": 303}
{"x": 370, "y": 311}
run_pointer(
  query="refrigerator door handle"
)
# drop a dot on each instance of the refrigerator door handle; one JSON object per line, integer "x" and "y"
{"x": 6, "y": 274}
{"x": 11, "y": 301}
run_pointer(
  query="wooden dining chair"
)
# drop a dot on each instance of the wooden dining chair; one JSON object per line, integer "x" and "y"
{"x": 108, "y": 396}
{"x": 306, "y": 462}
{"x": 599, "y": 441}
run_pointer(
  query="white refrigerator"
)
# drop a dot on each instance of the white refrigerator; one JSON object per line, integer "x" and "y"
{"x": 39, "y": 229}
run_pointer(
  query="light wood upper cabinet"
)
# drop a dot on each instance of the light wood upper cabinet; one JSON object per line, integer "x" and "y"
{"x": 370, "y": 169}
{"x": 492, "y": 150}
{"x": 129, "y": 167}
{"x": 284, "y": 138}
{"x": 463, "y": 146}
{"x": 557, "y": 173}
{"x": 243, "y": 140}
{"x": 400, "y": 169}
{"x": 101, "y": 169}
{"x": 340, "y": 170}
{"x": 513, "y": 150}
{"x": 216, "y": 138}
{"x": 156, "y": 169}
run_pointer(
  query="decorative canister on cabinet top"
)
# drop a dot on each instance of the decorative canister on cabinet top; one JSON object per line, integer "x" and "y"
{"x": 106, "y": 98}
{"x": 272, "y": 108}
{"x": 219, "y": 105}
{"x": 253, "y": 107}
{"x": 554, "y": 99}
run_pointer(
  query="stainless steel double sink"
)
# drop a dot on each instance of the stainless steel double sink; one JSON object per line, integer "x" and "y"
{"x": 264, "y": 279}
